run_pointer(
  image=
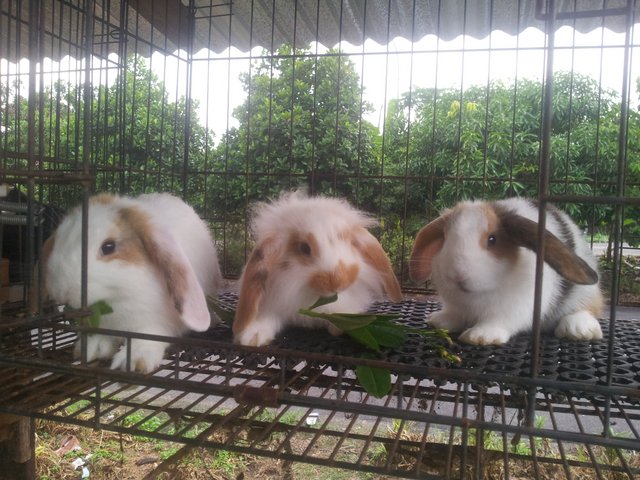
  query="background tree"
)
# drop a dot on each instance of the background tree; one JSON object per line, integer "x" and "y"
{"x": 300, "y": 125}
{"x": 139, "y": 137}
{"x": 484, "y": 142}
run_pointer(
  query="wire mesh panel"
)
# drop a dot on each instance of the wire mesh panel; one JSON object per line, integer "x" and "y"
{"x": 402, "y": 108}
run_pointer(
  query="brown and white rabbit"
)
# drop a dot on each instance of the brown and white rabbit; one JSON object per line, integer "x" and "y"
{"x": 308, "y": 247}
{"x": 481, "y": 258}
{"x": 151, "y": 258}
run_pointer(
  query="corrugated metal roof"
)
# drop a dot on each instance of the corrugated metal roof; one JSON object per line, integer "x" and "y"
{"x": 164, "y": 24}
{"x": 381, "y": 20}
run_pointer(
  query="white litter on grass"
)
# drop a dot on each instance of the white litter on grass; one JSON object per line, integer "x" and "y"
{"x": 312, "y": 419}
{"x": 82, "y": 462}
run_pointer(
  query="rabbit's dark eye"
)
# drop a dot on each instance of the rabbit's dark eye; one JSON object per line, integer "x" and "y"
{"x": 108, "y": 247}
{"x": 305, "y": 248}
{"x": 491, "y": 241}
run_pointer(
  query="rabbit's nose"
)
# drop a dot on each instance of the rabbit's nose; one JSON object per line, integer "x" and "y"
{"x": 460, "y": 279}
{"x": 340, "y": 278}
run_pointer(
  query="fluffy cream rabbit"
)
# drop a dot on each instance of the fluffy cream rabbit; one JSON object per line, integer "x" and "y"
{"x": 151, "y": 258}
{"x": 306, "y": 248}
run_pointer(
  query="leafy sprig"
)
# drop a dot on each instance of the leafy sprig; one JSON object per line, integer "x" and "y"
{"x": 372, "y": 330}
{"x": 97, "y": 310}
{"x": 376, "y": 330}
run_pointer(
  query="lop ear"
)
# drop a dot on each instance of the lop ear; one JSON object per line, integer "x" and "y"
{"x": 167, "y": 256}
{"x": 561, "y": 258}
{"x": 254, "y": 283}
{"x": 428, "y": 243}
{"x": 374, "y": 255}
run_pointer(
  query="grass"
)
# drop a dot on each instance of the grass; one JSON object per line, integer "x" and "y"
{"x": 228, "y": 463}
{"x": 123, "y": 457}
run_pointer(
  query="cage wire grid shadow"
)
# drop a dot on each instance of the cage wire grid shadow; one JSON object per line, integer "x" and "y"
{"x": 131, "y": 97}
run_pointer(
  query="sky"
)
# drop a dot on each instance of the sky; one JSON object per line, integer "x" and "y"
{"x": 433, "y": 63}
{"x": 387, "y": 71}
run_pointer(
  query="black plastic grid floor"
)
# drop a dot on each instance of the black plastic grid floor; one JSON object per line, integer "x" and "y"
{"x": 561, "y": 360}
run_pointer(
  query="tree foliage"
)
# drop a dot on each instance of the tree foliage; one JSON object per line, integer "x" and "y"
{"x": 302, "y": 124}
{"x": 484, "y": 142}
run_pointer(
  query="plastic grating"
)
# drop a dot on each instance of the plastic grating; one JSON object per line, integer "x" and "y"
{"x": 579, "y": 367}
{"x": 560, "y": 360}
{"x": 438, "y": 421}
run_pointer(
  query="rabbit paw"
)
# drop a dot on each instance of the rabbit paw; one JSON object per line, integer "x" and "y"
{"x": 580, "y": 326}
{"x": 257, "y": 334}
{"x": 99, "y": 347}
{"x": 485, "y": 335}
{"x": 146, "y": 356}
{"x": 443, "y": 319}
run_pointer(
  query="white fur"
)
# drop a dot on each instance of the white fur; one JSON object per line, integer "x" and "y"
{"x": 287, "y": 287}
{"x": 136, "y": 292}
{"x": 490, "y": 299}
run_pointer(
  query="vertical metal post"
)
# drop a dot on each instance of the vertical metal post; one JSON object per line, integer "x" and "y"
{"x": 32, "y": 131}
{"x": 188, "y": 100}
{"x": 120, "y": 93}
{"x": 86, "y": 157}
{"x": 619, "y": 206}
{"x": 543, "y": 193}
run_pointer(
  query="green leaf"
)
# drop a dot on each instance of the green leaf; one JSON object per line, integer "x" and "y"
{"x": 343, "y": 321}
{"x": 101, "y": 307}
{"x": 378, "y": 316}
{"x": 98, "y": 309}
{"x": 324, "y": 301}
{"x": 364, "y": 337}
{"x": 447, "y": 355}
{"x": 387, "y": 334}
{"x": 440, "y": 333}
{"x": 376, "y": 381}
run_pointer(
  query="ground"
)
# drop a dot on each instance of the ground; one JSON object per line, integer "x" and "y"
{"x": 123, "y": 457}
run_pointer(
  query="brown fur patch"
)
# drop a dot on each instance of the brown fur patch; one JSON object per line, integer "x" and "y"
{"x": 295, "y": 247}
{"x": 427, "y": 244}
{"x": 102, "y": 199}
{"x": 562, "y": 259}
{"x": 374, "y": 255}
{"x": 331, "y": 282}
{"x": 504, "y": 247}
{"x": 131, "y": 225}
{"x": 569, "y": 265}
{"x": 596, "y": 304}
{"x": 254, "y": 283}
{"x": 138, "y": 245}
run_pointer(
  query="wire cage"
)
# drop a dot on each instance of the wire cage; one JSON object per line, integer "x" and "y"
{"x": 403, "y": 108}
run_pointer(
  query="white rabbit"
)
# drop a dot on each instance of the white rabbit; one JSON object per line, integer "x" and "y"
{"x": 481, "y": 258}
{"x": 306, "y": 248}
{"x": 151, "y": 258}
